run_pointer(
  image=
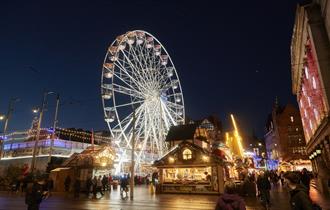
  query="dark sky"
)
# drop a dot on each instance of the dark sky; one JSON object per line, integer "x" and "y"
{"x": 232, "y": 57}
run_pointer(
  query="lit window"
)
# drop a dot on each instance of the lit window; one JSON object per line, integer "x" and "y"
{"x": 306, "y": 72}
{"x": 291, "y": 118}
{"x": 316, "y": 114}
{"x": 310, "y": 125}
{"x": 309, "y": 101}
{"x": 301, "y": 103}
{"x": 297, "y": 129}
{"x": 314, "y": 83}
{"x": 187, "y": 154}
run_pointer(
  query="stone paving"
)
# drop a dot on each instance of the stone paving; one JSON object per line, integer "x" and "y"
{"x": 143, "y": 200}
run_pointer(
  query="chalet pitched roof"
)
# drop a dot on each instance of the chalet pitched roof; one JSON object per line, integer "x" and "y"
{"x": 90, "y": 155}
{"x": 181, "y": 132}
{"x": 184, "y": 144}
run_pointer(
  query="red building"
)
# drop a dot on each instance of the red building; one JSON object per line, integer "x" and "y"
{"x": 310, "y": 61}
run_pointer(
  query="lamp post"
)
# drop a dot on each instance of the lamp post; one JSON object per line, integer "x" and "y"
{"x": 33, "y": 161}
{"x": 54, "y": 128}
{"x": 6, "y": 118}
{"x": 132, "y": 158}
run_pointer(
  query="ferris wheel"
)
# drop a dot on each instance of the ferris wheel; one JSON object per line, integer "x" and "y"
{"x": 141, "y": 94}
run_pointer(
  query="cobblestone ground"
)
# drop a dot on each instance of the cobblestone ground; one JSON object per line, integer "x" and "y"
{"x": 143, "y": 200}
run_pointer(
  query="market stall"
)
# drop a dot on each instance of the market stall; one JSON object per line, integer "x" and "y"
{"x": 188, "y": 168}
{"x": 93, "y": 161}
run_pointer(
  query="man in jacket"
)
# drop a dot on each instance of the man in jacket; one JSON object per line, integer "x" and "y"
{"x": 264, "y": 187}
{"x": 230, "y": 200}
{"x": 299, "y": 199}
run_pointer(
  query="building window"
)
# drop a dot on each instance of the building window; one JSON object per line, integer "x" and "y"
{"x": 314, "y": 83}
{"x": 297, "y": 129}
{"x": 291, "y": 118}
{"x": 187, "y": 154}
{"x": 306, "y": 72}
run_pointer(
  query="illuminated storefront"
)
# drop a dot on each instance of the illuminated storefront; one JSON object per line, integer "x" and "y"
{"x": 188, "y": 168}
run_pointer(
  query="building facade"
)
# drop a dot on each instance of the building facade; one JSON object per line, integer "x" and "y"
{"x": 284, "y": 138}
{"x": 310, "y": 61}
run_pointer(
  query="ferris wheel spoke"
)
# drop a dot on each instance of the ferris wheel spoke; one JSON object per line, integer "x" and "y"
{"x": 143, "y": 51}
{"x": 139, "y": 61}
{"x": 137, "y": 83}
{"x": 127, "y": 91}
{"x": 168, "y": 114}
{"x": 135, "y": 72}
{"x": 124, "y": 124}
{"x": 129, "y": 104}
{"x": 173, "y": 105}
{"x": 133, "y": 67}
{"x": 123, "y": 79}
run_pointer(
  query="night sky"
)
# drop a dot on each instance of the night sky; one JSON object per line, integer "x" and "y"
{"x": 232, "y": 57}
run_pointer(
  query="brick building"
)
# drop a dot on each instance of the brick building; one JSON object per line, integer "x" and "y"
{"x": 284, "y": 138}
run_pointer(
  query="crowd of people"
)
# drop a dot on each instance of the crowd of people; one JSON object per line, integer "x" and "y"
{"x": 98, "y": 185}
{"x": 260, "y": 184}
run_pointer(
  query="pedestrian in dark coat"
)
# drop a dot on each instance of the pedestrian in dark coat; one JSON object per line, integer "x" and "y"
{"x": 33, "y": 197}
{"x": 67, "y": 183}
{"x": 299, "y": 199}
{"x": 230, "y": 200}
{"x": 89, "y": 184}
{"x": 305, "y": 178}
{"x": 76, "y": 187}
{"x": 264, "y": 187}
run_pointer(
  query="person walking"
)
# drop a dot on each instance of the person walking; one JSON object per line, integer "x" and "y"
{"x": 299, "y": 199}
{"x": 67, "y": 183}
{"x": 123, "y": 187}
{"x": 89, "y": 185}
{"x": 94, "y": 181}
{"x": 76, "y": 187}
{"x": 110, "y": 180}
{"x": 305, "y": 178}
{"x": 230, "y": 200}
{"x": 50, "y": 186}
{"x": 33, "y": 197}
{"x": 99, "y": 185}
{"x": 264, "y": 187}
{"x": 105, "y": 183}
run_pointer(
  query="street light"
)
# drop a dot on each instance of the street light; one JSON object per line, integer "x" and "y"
{"x": 6, "y": 118}
{"x": 44, "y": 100}
{"x": 54, "y": 128}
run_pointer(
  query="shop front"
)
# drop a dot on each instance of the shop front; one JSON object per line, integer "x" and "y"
{"x": 188, "y": 168}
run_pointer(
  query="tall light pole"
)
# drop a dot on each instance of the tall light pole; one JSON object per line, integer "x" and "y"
{"x": 54, "y": 128}
{"x": 33, "y": 162}
{"x": 132, "y": 157}
{"x": 7, "y": 117}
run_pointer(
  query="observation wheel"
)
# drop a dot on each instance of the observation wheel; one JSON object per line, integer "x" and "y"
{"x": 141, "y": 94}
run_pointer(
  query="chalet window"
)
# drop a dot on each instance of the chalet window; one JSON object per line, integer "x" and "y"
{"x": 187, "y": 154}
